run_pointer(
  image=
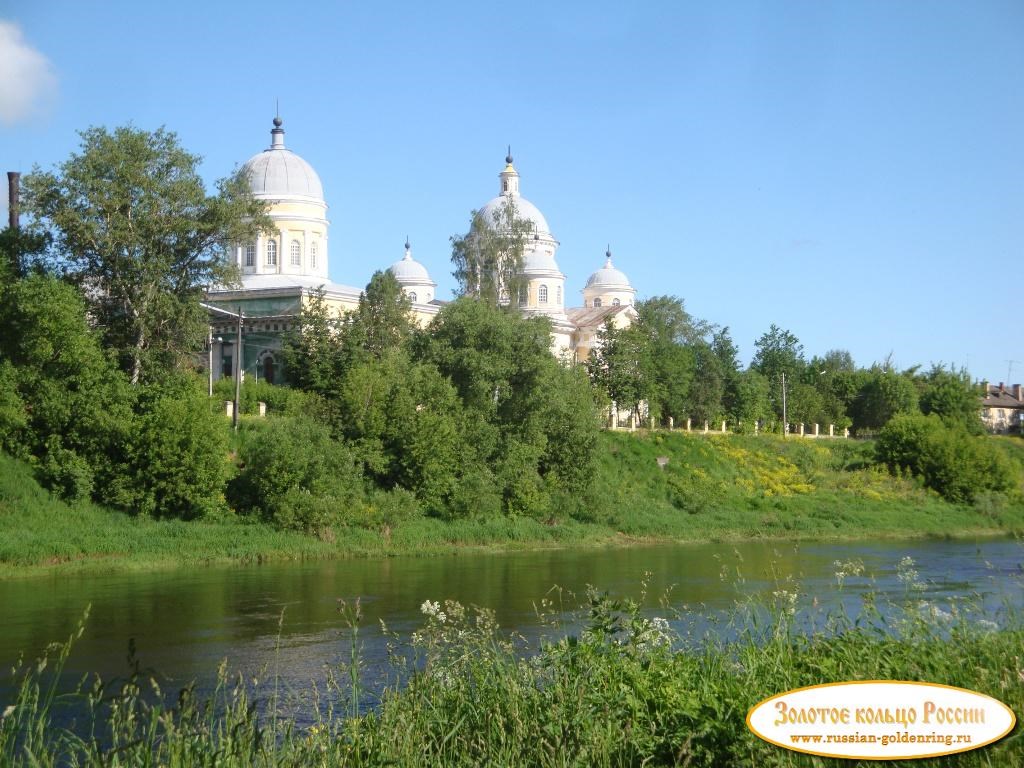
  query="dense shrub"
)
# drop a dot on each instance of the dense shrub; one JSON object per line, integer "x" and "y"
{"x": 64, "y": 472}
{"x": 280, "y": 400}
{"x": 295, "y": 475}
{"x": 63, "y": 404}
{"x": 948, "y": 459}
{"x": 174, "y": 461}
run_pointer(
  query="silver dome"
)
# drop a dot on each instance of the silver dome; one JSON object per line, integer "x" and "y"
{"x": 609, "y": 277}
{"x": 524, "y": 210}
{"x": 408, "y": 271}
{"x": 278, "y": 173}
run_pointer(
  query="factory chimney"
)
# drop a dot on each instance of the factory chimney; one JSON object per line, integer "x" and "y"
{"x": 12, "y": 199}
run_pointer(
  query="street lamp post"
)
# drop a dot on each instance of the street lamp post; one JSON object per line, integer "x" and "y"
{"x": 209, "y": 369}
{"x": 238, "y": 372}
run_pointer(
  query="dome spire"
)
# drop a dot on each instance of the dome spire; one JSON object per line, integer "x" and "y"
{"x": 277, "y": 134}
{"x": 608, "y": 257}
{"x": 408, "y": 250}
{"x": 509, "y": 177}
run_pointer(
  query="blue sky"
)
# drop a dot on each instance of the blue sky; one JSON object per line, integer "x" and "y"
{"x": 853, "y": 172}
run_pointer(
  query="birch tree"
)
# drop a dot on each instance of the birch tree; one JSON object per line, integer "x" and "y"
{"x": 132, "y": 224}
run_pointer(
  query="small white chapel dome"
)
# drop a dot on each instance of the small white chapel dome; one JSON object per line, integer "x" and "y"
{"x": 608, "y": 277}
{"x": 407, "y": 271}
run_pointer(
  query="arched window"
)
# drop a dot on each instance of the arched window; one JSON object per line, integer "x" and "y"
{"x": 558, "y": 295}
{"x": 268, "y": 368}
{"x": 250, "y": 255}
{"x": 542, "y": 294}
{"x": 616, "y": 302}
{"x": 597, "y": 302}
{"x": 523, "y": 295}
{"x": 312, "y": 256}
{"x": 296, "y": 253}
{"x": 412, "y": 296}
{"x": 271, "y": 253}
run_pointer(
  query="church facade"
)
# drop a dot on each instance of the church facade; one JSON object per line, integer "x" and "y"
{"x": 282, "y": 270}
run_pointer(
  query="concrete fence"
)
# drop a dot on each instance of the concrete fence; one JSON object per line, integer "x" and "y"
{"x": 632, "y": 422}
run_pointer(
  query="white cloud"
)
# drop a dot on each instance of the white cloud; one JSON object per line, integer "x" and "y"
{"x": 28, "y": 77}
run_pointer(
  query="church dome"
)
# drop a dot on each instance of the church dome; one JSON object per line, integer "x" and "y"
{"x": 524, "y": 210}
{"x": 408, "y": 271}
{"x": 539, "y": 257}
{"x": 608, "y": 277}
{"x": 509, "y": 192}
{"x": 278, "y": 173}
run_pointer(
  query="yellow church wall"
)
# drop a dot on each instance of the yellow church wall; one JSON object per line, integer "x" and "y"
{"x": 282, "y": 209}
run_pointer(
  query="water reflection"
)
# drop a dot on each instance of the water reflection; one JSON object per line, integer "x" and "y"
{"x": 283, "y": 618}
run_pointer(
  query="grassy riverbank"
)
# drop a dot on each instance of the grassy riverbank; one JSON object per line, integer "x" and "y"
{"x": 629, "y": 690}
{"x": 710, "y": 488}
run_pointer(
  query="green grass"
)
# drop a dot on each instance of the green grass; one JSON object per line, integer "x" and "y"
{"x": 626, "y": 691}
{"x": 732, "y": 486}
{"x": 713, "y": 488}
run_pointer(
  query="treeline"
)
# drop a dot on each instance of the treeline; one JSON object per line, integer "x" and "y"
{"x": 670, "y": 365}
{"x": 677, "y": 366}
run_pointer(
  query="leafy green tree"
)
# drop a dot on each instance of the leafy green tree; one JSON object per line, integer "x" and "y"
{"x": 708, "y": 386}
{"x": 383, "y": 320}
{"x": 883, "y": 394}
{"x": 620, "y": 366}
{"x": 778, "y": 352}
{"x": 64, "y": 404}
{"x": 751, "y": 401}
{"x": 402, "y": 420}
{"x": 493, "y": 358}
{"x": 669, "y": 332}
{"x": 805, "y": 404}
{"x": 570, "y": 427}
{"x": 313, "y": 351}
{"x": 951, "y": 395}
{"x": 837, "y": 381}
{"x": 519, "y": 442}
{"x": 666, "y": 321}
{"x": 727, "y": 352}
{"x": 20, "y": 250}
{"x": 489, "y": 258}
{"x": 132, "y": 223}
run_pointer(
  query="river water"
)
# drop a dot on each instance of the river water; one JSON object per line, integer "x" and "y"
{"x": 285, "y": 618}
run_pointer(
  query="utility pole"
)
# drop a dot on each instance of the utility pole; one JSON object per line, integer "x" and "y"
{"x": 240, "y": 348}
{"x": 785, "y": 419}
{"x": 209, "y": 348}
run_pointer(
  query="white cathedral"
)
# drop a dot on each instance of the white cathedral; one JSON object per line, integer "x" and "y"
{"x": 282, "y": 270}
